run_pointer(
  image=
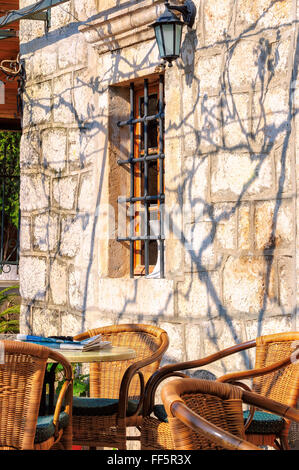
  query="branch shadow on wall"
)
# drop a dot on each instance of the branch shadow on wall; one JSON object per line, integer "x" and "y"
{"x": 225, "y": 132}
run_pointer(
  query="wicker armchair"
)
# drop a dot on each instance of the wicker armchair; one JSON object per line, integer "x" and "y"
{"x": 117, "y": 388}
{"x": 276, "y": 375}
{"x": 208, "y": 415}
{"x": 21, "y": 382}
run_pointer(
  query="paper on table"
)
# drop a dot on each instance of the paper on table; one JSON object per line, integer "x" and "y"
{"x": 94, "y": 343}
{"x": 86, "y": 345}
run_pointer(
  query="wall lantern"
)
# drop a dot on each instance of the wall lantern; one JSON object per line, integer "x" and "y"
{"x": 168, "y": 29}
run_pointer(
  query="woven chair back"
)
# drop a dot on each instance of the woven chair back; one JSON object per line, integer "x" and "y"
{"x": 105, "y": 377}
{"x": 21, "y": 381}
{"x": 219, "y": 405}
{"x": 281, "y": 385}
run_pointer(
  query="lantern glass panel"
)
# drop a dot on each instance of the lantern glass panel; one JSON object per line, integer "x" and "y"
{"x": 159, "y": 40}
{"x": 178, "y": 37}
{"x": 168, "y": 33}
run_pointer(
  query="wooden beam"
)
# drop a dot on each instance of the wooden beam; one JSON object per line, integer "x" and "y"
{"x": 29, "y": 11}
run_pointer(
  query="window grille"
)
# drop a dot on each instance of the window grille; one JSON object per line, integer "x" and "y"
{"x": 142, "y": 120}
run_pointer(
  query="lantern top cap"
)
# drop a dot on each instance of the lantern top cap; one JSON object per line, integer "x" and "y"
{"x": 167, "y": 17}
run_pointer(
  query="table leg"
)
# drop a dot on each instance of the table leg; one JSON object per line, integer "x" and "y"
{"x": 49, "y": 379}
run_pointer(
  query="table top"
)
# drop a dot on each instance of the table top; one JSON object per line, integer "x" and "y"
{"x": 112, "y": 353}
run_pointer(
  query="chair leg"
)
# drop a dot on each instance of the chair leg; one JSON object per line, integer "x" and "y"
{"x": 284, "y": 442}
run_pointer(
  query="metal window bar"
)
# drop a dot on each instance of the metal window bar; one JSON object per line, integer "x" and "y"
{"x": 161, "y": 171}
{"x": 146, "y": 198}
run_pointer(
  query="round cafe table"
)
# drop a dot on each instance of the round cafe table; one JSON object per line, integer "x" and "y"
{"x": 109, "y": 353}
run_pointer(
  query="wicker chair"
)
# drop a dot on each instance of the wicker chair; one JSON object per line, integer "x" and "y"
{"x": 117, "y": 388}
{"x": 276, "y": 376}
{"x": 208, "y": 415}
{"x": 280, "y": 383}
{"x": 21, "y": 382}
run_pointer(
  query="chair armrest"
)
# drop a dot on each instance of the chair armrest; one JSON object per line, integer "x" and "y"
{"x": 272, "y": 406}
{"x": 209, "y": 430}
{"x": 66, "y": 393}
{"x": 169, "y": 370}
{"x": 247, "y": 374}
{"x": 131, "y": 371}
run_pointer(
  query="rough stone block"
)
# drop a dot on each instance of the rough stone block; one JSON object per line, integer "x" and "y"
{"x": 175, "y": 351}
{"x": 217, "y": 21}
{"x": 135, "y": 296}
{"x": 207, "y": 80}
{"x": 193, "y": 341}
{"x": 86, "y": 92}
{"x": 45, "y": 231}
{"x": 34, "y": 192}
{"x": 236, "y": 74}
{"x": 235, "y": 121}
{"x": 45, "y": 321}
{"x": 274, "y": 14}
{"x": 268, "y": 326}
{"x": 262, "y": 14}
{"x": 225, "y": 219}
{"x": 209, "y": 133}
{"x": 190, "y": 102}
{"x": 81, "y": 287}
{"x": 73, "y": 53}
{"x": 54, "y": 145}
{"x": 83, "y": 10}
{"x": 37, "y": 104}
{"x": 30, "y": 29}
{"x": 63, "y": 106}
{"x": 220, "y": 334}
{"x": 61, "y": 15}
{"x": 58, "y": 282}
{"x": 87, "y": 193}
{"x": 284, "y": 162}
{"x": 195, "y": 184}
{"x": 71, "y": 235}
{"x": 43, "y": 62}
{"x": 247, "y": 284}
{"x": 33, "y": 275}
{"x": 82, "y": 148}
{"x": 270, "y": 116}
{"x": 25, "y": 319}
{"x": 72, "y": 323}
{"x": 199, "y": 246}
{"x": 30, "y": 147}
{"x": 274, "y": 224}
{"x": 64, "y": 192}
{"x": 287, "y": 287}
{"x": 25, "y": 234}
{"x": 235, "y": 175}
{"x": 199, "y": 295}
{"x": 244, "y": 227}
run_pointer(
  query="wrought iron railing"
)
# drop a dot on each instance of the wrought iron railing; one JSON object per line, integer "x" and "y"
{"x": 9, "y": 206}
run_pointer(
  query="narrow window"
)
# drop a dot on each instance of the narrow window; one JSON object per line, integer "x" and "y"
{"x": 146, "y": 163}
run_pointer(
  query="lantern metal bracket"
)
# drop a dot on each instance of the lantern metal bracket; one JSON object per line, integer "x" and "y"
{"x": 188, "y": 11}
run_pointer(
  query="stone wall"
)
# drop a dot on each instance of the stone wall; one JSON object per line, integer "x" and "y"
{"x": 231, "y": 161}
